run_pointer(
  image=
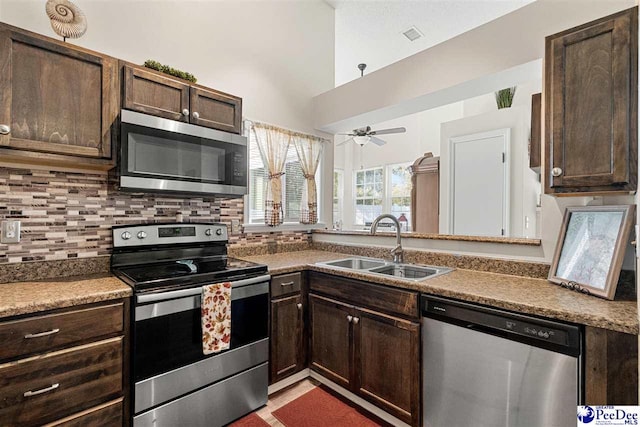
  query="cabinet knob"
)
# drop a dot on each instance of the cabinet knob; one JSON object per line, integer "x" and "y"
{"x": 185, "y": 112}
{"x": 556, "y": 171}
{"x": 196, "y": 115}
{"x": 349, "y": 318}
{"x": 4, "y": 129}
{"x": 299, "y": 305}
{"x": 356, "y": 320}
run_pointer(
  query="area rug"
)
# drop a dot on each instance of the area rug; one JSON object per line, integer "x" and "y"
{"x": 321, "y": 407}
{"x": 251, "y": 420}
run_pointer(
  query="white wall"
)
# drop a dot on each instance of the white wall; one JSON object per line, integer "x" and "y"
{"x": 275, "y": 54}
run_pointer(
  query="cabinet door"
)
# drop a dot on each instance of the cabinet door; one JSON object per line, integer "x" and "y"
{"x": 287, "y": 355}
{"x": 216, "y": 110}
{"x": 331, "y": 350}
{"x": 56, "y": 99}
{"x": 148, "y": 92}
{"x": 591, "y": 106}
{"x": 387, "y": 362}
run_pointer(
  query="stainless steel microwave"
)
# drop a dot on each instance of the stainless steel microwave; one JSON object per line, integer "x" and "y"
{"x": 162, "y": 155}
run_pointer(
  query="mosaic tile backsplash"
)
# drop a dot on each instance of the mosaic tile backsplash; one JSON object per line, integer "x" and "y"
{"x": 69, "y": 215}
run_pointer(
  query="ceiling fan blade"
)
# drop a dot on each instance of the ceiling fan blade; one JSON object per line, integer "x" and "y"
{"x": 344, "y": 142}
{"x": 387, "y": 131}
{"x": 350, "y": 134}
{"x": 377, "y": 141}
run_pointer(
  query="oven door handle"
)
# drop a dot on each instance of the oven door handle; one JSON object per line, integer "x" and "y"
{"x": 163, "y": 296}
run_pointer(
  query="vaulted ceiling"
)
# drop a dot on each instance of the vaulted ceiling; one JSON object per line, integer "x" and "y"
{"x": 370, "y": 31}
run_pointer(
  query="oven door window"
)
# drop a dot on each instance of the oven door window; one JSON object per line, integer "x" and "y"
{"x": 167, "y": 342}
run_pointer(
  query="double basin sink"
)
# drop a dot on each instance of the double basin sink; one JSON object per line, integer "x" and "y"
{"x": 385, "y": 268}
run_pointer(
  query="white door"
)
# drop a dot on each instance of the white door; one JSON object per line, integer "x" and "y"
{"x": 479, "y": 173}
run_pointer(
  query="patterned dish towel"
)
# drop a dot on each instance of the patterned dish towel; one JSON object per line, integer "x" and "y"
{"x": 216, "y": 317}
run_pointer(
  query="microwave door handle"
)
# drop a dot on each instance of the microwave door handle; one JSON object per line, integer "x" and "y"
{"x": 141, "y": 299}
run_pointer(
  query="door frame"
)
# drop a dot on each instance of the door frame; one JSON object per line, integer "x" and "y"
{"x": 505, "y": 133}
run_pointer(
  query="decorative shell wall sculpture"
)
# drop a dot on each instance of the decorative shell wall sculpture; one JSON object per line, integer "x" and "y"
{"x": 67, "y": 20}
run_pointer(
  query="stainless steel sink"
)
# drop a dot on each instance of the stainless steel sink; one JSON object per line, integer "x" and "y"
{"x": 381, "y": 267}
{"x": 413, "y": 272}
{"x": 356, "y": 263}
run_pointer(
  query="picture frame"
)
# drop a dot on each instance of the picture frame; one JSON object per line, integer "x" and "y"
{"x": 590, "y": 248}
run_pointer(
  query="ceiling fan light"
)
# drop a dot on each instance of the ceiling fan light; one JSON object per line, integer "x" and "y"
{"x": 361, "y": 140}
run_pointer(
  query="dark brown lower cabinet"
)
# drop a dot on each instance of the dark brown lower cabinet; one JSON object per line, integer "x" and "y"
{"x": 65, "y": 368}
{"x": 287, "y": 337}
{"x": 387, "y": 363}
{"x": 611, "y": 367}
{"x": 372, "y": 354}
{"x": 331, "y": 342}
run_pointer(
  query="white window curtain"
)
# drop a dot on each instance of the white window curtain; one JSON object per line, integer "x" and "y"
{"x": 273, "y": 145}
{"x": 309, "y": 149}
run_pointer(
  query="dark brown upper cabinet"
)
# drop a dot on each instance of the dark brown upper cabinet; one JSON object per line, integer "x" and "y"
{"x": 591, "y": 107}
{"x": 535, "y": 140}
{"x": 58, "y": 103}
{"x": 150, "y": 92}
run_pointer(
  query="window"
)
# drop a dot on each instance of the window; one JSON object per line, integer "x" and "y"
{"x": 399, "y": 197}
{"x": 369, "y": 195}
{"x": 292, "y": 181}
{"x": 338, "y": 193}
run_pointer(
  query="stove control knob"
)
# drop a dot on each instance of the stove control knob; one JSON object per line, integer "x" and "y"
{"x": 126, "y": 235}
{"x": 207, "y": 232}
{"x": 219, "y": 232}
{"x": 141, "y": 234}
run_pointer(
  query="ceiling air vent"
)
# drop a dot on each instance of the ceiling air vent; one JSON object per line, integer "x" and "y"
{"x": 412, "y": 34}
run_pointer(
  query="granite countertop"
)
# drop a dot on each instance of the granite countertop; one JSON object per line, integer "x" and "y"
{"x": 31, "y": 297}
{"x": 515, "y": 293}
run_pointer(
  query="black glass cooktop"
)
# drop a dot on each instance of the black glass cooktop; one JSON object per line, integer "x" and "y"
{"x": 187, "y": 272}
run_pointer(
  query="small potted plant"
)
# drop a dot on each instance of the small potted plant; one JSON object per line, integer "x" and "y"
{"x": 504, "y": 97}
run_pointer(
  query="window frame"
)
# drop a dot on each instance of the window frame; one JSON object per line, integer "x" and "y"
{"x": 249, "y": 227}
{"x": 355, "y": 197}
{"x": 387, "y": 188}
{"x": 389, "y": 196}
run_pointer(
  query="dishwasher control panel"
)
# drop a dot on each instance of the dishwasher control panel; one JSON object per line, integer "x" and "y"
{"x": 500, "y": 322}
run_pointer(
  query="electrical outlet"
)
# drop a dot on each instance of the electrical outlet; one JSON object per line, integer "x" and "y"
{"x": 235, "y": 226}
{"x": 10, "y": 232}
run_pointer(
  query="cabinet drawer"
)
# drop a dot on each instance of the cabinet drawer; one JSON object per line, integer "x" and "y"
{"x": 108, "y": 414}
{"x": 286, "y": 284}
{"x": 368, "y": 295}
{"x": 46, "y": 388}
{"x": 53, "y": 331}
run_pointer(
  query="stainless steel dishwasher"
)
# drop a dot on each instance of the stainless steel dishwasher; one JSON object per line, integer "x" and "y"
{"x": 489, "y": 367}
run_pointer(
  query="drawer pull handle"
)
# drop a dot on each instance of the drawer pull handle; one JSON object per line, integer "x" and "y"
{"x": 42, "y": 390}
{"x": 349, "y": 318}
{"x": 287, "y": 284}
{"x": 299, "y": 306}
{"x": 42, "y": 334}
{"x": 356, "y": 320}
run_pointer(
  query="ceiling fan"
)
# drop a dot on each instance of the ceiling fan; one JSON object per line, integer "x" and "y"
{"x": 364, "y": 135}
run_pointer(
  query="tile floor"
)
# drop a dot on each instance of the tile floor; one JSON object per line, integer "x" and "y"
{"x": 282, "y": 397}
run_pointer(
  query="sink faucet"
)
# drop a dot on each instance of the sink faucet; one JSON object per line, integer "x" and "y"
{"x": 397, "y": 251}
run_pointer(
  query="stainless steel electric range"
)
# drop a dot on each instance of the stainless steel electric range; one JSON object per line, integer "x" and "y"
{"x": 175, "y": 383}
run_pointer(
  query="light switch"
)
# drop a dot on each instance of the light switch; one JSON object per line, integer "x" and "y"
{"x": 10, "y": 232}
